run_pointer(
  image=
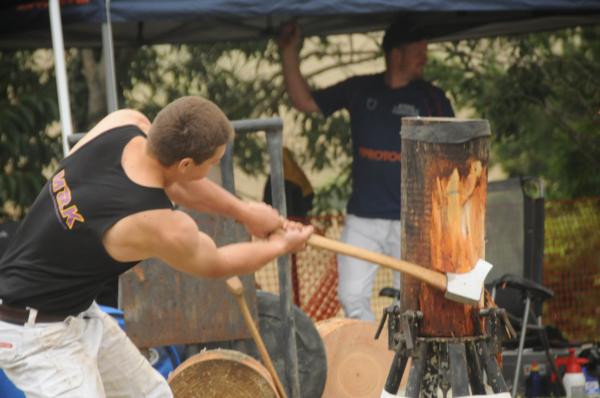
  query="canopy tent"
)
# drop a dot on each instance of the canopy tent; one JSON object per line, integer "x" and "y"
{"x": 106, "y": 23}
{"x": 25, "y": 23}
{"x": 137, "y": 22}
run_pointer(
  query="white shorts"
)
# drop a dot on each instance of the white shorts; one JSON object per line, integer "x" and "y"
{"x": 356, "y": 277}
{"x": 87, "y": 355}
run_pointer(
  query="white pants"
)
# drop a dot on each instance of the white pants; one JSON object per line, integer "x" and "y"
{"x": 86, "y": 356}
{"x": 356, "y": 277}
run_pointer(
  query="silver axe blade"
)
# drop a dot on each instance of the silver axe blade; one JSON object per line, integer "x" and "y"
{"x": 467, "y": 287}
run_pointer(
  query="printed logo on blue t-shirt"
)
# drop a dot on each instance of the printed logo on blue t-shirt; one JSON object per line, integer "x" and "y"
{"x": 405, "y": 110}
{"x": 371, "y": 104}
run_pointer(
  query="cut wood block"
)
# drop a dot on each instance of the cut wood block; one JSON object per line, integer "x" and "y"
{"x": 357, "y": 364}
{"x": 221, "y": 374}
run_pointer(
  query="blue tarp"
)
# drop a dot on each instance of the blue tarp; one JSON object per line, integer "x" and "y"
{"x": 135, "y": 22}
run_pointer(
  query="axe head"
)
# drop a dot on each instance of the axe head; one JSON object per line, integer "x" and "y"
{"x": 467, "y": 287}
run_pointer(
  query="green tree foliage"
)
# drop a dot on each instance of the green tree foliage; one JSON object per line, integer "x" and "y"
{"x": 160, "y": 74}
{"x": 27, "y": 107}
{"x": 541, "y": 94}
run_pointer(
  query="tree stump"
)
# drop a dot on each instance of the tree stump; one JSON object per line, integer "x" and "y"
{"x": 357, "y": 364}
{"x": 443, "y": 193}
{"x": 221, "y": 374}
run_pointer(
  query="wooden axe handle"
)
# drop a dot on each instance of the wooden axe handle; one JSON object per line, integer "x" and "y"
{"x": 429, "y": 276}
{"x": 235, "y": 286}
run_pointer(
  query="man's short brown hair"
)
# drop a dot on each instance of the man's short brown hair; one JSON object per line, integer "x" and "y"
{"x": 191, "y": 127}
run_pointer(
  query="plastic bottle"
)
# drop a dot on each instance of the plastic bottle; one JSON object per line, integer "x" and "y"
{"x": 573, "y": 380}
{"x": 592, "y": 387}
{"x": 533, "y": 384}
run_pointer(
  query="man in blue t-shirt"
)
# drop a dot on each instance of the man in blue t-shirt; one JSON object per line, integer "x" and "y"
{"x": 376, "y": 104}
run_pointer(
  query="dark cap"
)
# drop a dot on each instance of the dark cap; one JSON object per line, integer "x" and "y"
{"x": 400, "y": 32}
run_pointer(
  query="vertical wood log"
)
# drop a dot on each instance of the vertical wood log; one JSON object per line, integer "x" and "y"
{"x": 444, "y": 184}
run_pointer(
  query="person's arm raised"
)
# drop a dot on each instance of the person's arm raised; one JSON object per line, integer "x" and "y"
{"x": 295, "y": 84}
{"x": 206, "y": 196}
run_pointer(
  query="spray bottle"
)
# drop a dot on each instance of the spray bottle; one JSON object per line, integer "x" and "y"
{"x": 573, "y": 380}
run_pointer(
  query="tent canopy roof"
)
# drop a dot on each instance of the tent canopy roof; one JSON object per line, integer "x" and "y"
{"x": 137, "y": 22}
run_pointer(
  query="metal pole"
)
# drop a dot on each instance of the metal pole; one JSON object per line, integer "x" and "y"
{"x": 492, "y": 370}
{"x": 110, "y": 81}
{"x": 275, "y": 144}
{"x": 62, "y": 85}
{"x": 273, "y": 127}
{"x": 521, "y": 345}
{"x": 112, "y": 101}
{"x": 227, "y": 176}
{"x": 268, "y": 125}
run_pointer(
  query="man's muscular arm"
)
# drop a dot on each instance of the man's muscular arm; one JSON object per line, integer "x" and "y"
{"x": 206, "y": 196}
{"x": 186, "y": 249}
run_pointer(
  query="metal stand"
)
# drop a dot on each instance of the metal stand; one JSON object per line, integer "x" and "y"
{"x": 534, "y": 295}
{"x": 464, "y": 365}
{"x": 273, "y": 127}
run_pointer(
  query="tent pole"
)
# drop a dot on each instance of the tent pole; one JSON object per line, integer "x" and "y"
{"x": 62, "y": 86}
{"x": 112, "y": 101}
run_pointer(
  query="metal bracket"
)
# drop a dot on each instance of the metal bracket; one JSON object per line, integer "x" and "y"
{"x": 498, "y": 326}
{"x": 402, "y": 328}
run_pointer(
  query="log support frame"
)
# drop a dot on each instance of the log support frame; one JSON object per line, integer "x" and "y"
{"x": 464, "y": 365}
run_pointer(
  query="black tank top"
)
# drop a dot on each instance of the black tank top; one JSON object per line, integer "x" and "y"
{"x": 56, "y": 262}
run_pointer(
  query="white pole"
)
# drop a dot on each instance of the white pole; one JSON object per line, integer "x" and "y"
{"x": 112, "y": 101}
{"x": 61, "y": 74}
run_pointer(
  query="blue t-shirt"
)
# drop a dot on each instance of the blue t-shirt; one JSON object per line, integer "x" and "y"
{"x": 375, "y": 115}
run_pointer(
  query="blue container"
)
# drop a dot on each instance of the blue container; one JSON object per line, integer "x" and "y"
{"x": 8, "y": 389}
{"x": 163, "y": 359}
{"x": 592, "y": 387}
{"x": 533, "y": 385}
{"x": 116, "y": 313}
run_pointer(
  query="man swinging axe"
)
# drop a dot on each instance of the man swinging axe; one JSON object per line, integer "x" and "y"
{"x": 107, "y": 207}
